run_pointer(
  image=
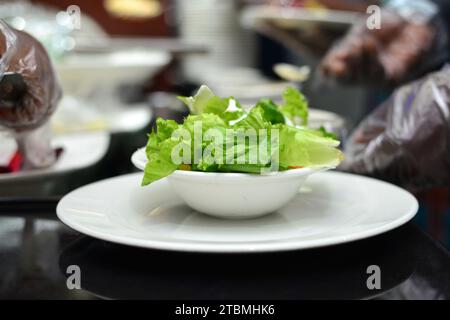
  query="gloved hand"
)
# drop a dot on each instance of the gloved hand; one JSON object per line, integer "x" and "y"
{"x": 25, "y": 56}
{"x": 386, "y": 54}
{"x": 29, "y": 93}
{"x": 407, "y": 139}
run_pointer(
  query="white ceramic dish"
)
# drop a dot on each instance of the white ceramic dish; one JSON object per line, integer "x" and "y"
{"x": 233, "y": 195}
{"x": 82, "y": 74}
{"x": 299, "y": 18}
{"x": 77, "y": 115}
{"x": 331, "y": 208}
{"x": 80, "y": 150}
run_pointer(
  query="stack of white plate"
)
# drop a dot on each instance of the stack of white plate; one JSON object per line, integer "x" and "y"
{"x": 214, "y": 23}
{"x": 90, "y": 82}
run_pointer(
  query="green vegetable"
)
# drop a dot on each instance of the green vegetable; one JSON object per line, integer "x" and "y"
{"x": 197, "y": 103}
{"x": 206, "y": 102}
{"x": 304, "y": 147}
{"x": 295, "y": 107}
{"x": 158, "y": 150}
{"x": 220, "y": 136}
{"x": 270, "y": 111}
{"x": 327, "y": 134}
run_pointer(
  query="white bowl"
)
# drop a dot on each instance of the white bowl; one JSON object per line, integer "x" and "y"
{"x": 233, "y": 195}
{"x": 84, "y": 73}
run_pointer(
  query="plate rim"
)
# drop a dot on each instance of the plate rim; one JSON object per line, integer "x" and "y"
{"x": 249, "y": 247}
{"x": 54, "y": 170}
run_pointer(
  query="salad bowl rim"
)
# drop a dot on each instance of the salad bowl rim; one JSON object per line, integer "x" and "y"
{"x": 139, "y": 163}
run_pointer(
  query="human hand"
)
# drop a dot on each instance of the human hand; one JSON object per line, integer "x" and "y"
{"x": 384, "y": 54}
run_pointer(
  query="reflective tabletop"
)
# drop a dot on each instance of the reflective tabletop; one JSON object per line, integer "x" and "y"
{"x": 38, "y": 254}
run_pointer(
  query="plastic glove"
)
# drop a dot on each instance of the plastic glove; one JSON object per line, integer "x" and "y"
{"x": 407, "y": 139}
{"x": 384, "y": 54}
{"x": 29, "y": 93}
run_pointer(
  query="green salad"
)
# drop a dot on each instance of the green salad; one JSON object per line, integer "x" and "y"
{"x": 220, "y": 135}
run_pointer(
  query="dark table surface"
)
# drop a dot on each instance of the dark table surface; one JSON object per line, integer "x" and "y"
{"x": 36, "y": 250}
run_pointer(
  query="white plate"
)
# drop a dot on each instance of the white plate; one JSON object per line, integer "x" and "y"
{"x": 79, "y": 151}
{"x": 299, "y": 18}
{"x": 78, "y": 115}
{"x": 82, "y": 74}
{"x": 331, "y": 208}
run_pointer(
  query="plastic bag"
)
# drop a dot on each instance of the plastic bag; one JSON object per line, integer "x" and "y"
{"x": 407, "y": 139}
{"x": 22, "y": 54}
{"x": 29, "y": 94}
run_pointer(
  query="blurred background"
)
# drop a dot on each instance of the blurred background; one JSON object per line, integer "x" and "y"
{"x": 122, "y": 63}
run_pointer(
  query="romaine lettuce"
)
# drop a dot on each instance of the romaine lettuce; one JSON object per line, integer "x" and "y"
{"x": 220, "y": 136}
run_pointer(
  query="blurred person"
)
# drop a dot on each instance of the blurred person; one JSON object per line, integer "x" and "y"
{"x": 406, "y": 140}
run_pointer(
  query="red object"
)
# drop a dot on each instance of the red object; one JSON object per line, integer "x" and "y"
{"x": 15, "y": 164}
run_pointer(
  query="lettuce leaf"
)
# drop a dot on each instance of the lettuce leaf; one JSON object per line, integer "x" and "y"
{"x": 159, "y": 164}
{"x": 295, "y": 107}
{"x": 304, "y": 147}
{"x": 197, "y": 103}
{"x": 205, "y": 101}
{"x": 270, "y": 111}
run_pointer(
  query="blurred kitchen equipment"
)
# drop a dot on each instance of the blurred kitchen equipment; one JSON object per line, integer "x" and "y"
{"x": 134, "y": 9}
{"x": 166, "y": 105}
{"x": 52, "y": 28}
{"x": 214, "y": 23}
{"x": 297, "y": 18}
{"x": 306, "y": 30}
{"x": 245, "y": 84}
{"x": 91, "y": 82}
{"x": 91, "y": 68}
{"x": 106, "y": 70}
{"x": 73, "y": 117}
{"x": 310, "y": 32}
{"x": 176, "y": 47}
